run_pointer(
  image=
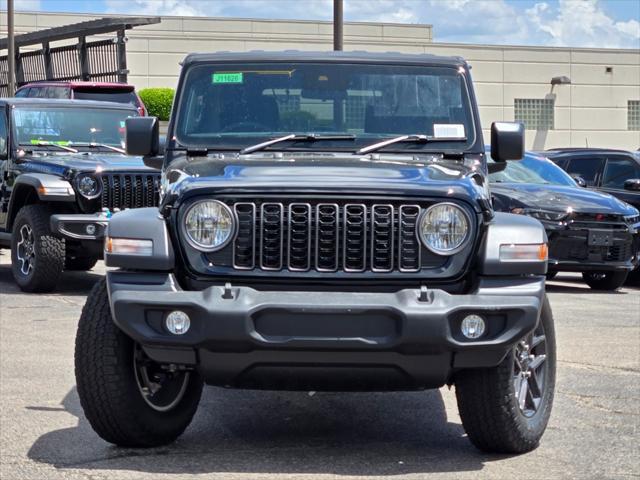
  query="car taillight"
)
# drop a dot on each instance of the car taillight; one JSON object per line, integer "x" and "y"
{"x": 141, "y": 111}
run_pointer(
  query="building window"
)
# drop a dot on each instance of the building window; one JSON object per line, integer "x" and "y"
{"x": 633, "y": 114}
{"x": 535, "y": 113}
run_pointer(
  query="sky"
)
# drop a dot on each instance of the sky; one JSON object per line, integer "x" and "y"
{"x": 573, "y": 23}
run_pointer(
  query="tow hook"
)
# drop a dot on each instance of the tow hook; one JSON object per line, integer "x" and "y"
{"x": 425, "y": 295}
{"x": 228, "y": 293}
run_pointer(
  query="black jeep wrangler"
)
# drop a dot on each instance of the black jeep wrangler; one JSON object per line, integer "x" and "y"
{"x": 63, "y": 173}
{"x": 325, "y": 224}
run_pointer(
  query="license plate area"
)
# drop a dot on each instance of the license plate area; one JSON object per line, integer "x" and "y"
{"x": 600, "y": 238}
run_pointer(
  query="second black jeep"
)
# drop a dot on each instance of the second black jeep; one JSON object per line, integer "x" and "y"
{"x": 63, "y": 173}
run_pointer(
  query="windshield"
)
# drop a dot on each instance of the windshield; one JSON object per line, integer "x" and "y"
{"x": 69, "y": 126}
{"x": 234, "y": 106}
{"x": 532, "y": 169}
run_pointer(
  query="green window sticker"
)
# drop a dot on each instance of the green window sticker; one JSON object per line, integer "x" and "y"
{"x": 228, "y": 77}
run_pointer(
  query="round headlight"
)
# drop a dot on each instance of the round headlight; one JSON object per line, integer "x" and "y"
{"x": 444, "y": 228}
{"x": 88, "y": 186}
{"x": 208, "y": 225}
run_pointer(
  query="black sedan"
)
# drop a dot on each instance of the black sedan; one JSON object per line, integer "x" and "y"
{"x": 612, "y": 171}
{"x": 589, "y": 232}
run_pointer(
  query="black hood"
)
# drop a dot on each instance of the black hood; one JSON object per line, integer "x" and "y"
{"x": 66, "y": 164}
{"x": 556, "y": 198}
{"x": 320, "y": 173}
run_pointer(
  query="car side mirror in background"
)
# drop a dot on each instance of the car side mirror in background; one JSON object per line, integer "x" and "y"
{"x": 633, "y": 184}
{"x": 507, "y": 141}
{"x": 581, "y": 182}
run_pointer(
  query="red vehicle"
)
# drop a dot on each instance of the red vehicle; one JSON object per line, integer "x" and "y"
{"x": 105, "y": 91}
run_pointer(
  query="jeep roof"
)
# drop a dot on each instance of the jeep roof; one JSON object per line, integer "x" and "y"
{"x": 326, "y": 56}
{"x": 66, "y": 103}
{"x": 79, "y": 84}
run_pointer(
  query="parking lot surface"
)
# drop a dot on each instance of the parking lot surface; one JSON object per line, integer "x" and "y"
{"x": 593, "y": 432}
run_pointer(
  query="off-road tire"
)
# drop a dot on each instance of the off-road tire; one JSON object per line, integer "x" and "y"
{"x": 106, "y": 383}
{"x": 609, "y": 281}
{"x": 80, "y": 264}
{"x": 488, "y": 405}
{"x": 49, "y": 251}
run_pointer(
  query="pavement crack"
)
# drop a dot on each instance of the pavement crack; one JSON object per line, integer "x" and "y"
{"x": 593, "y": 366}
{"x": 589, "y": 401}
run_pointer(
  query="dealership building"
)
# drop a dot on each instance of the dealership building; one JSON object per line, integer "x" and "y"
{"x": 596, "y": 105}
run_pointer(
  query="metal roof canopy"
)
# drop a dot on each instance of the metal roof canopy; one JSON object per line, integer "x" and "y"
{"x": 82, "y": 29}
{"x": 97, "y": 60}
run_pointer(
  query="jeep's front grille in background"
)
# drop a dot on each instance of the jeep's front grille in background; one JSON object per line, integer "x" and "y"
{"x": 325, "y": 236}
{"x": 129, "y": 190}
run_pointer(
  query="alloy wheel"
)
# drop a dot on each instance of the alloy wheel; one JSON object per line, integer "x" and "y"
{"x": 530, "y": 371}
{"x": 26, "y": 251}
{"x": 162, "y": 386}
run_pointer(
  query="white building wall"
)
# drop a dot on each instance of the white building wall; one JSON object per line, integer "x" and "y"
{"x": 591, "y": 111}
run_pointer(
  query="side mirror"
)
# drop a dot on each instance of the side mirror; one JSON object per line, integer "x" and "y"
{"x": 579, "y": 180}
{"x": 157, "y": 161}
{"x": 142, "y": 136}
{"x": 507, "y": 141}
{"x": 633, "y": 184}
{"x": 494, "y": 167}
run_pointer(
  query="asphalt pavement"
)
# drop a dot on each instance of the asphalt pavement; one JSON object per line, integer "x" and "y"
{"x": 593, "y": 432}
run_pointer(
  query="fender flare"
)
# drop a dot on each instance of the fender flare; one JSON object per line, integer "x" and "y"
{"x": 141, "y": 224}
{"x": 48, "y": 188}
{"x": 508, "y": 228}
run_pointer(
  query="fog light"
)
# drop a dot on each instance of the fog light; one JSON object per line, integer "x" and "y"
{"x": 90, "y": 229}
{"x": 178, "y": 322}
{"x": 472, "y": 326}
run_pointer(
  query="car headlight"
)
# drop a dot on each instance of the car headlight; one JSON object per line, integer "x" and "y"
{"x": 444, "y": 228}
{"x": 88, "y": 186}
{"x": 208, "y": 225}
{"x": 544, "y": 215}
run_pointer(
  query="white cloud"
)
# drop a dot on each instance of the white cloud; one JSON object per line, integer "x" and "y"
{"x": 578, "y": 23}
{"x": 583, "y": 23}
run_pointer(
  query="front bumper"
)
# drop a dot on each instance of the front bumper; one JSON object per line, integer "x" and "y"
{"x": 242, "y": 337}
{"x": 582, "y": 249}
{"x": 80, "y": 226}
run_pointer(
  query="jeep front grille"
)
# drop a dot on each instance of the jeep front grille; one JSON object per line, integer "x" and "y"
{"x": 129, "y": 190}
{"x": 328, "y": 237}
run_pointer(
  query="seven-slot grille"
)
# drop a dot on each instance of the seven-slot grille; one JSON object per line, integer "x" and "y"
{"x": 327, "y": 237}
{"x": 129, "y": 190}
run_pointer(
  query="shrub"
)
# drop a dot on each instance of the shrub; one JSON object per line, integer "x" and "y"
{"x": 158, "y": 101}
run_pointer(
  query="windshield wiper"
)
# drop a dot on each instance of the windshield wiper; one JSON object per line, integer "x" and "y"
{"x": 98, "y": 145}
{"x": 417, "y": 138}
{"x": 45, "y": 143}
{"x": 305, "y": 137}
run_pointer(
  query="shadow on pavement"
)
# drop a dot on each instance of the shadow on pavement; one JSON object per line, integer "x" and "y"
{"x": 555, "y": 286}
{"x": 284, "y": 433}
{"x": 70, "y": 283}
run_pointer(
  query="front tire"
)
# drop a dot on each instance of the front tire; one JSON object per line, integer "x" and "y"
{"x": 505, "y": 409}
{"x": 128, "y": 399}
{"x": 608, "y": 281}
{"x": 37, "y": 256}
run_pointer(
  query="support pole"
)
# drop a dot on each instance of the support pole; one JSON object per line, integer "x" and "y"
{"x": 121, "y": 48}
{"x": 83, "y": 59}
{"x": 46, "y": 55}
{"x": 11, "y": 54}
{"x": 338, "y": 24}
